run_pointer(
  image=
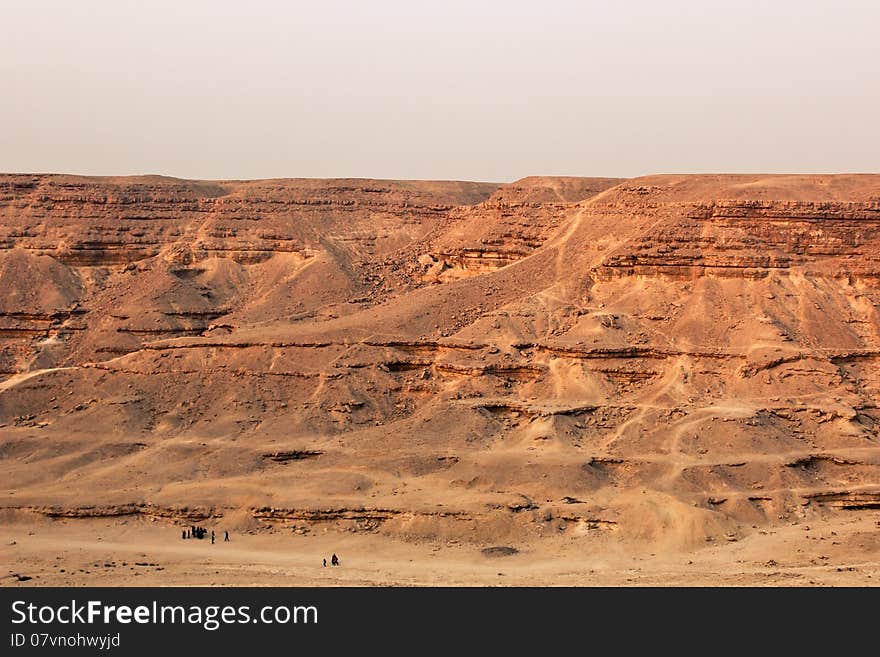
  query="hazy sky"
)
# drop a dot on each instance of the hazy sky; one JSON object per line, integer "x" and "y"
{"x": 475, "y": 90}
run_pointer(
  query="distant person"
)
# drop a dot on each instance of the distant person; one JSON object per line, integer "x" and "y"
{"x": 225, "y": 536}
{"x": 183, "y": 534}
{"x": 325, "y": 562}
{"x": 334, "y": 560}
{"x": 212, "y": 537}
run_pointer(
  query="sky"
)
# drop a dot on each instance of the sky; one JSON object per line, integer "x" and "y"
{"x": 468, "y": 90}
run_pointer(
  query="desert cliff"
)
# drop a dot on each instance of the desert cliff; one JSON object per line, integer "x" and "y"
{"x": 666, "y": 363}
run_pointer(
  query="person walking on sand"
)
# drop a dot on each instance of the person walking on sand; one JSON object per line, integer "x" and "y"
{"x": 334, "y": 560}
{"x": 225, "y": 536}
{"x": 212, "y": 537}
{"x": 325, "y": 562}
{"x": 183, "y": 534}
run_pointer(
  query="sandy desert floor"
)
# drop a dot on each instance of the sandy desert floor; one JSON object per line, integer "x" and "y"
{"x": 842, "y": 552}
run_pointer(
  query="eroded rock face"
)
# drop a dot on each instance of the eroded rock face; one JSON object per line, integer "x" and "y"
{"x": 101, "y": 266}
{"x": 667, "y": 359}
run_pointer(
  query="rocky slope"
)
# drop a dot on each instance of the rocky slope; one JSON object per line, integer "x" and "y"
{"x": 670, "y": 361}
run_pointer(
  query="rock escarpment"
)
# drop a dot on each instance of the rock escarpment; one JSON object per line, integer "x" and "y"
{"x": 672, "y": 359}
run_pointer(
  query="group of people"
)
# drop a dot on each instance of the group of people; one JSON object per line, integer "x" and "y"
{"x": 195, "y": 531}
